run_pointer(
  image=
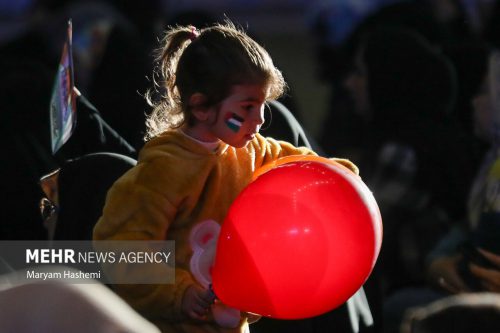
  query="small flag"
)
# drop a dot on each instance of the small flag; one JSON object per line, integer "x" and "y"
{"x": 62, "y": 102}
{"x": 233, "y": 121}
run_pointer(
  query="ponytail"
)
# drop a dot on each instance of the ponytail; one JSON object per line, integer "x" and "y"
{"x": 167, "y": 112}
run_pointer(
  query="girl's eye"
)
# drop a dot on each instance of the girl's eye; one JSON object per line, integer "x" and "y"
{"x": 248, "y": 107}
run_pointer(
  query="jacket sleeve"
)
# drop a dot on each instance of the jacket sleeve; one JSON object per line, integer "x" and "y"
{"x": 136, "y": 210}
{"x": 268, "y": 150}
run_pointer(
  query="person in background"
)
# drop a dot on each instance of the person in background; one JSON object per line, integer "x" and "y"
{"x": 467, "y": 258}
{"x": 74, "y": 194}
{"x": 405, "y": 90}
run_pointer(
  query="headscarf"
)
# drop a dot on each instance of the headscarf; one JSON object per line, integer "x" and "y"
{"x": 409, "y": 80}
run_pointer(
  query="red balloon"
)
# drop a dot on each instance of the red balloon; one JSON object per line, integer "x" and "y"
{"x": 298, "y": 241}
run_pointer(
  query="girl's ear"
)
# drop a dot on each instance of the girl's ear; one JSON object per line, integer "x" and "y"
{"x": 197, "y": 104}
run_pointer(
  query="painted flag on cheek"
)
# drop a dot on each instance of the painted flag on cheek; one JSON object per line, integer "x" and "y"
{"x": 233, "y": 121}
{"x": 62, "y": 102}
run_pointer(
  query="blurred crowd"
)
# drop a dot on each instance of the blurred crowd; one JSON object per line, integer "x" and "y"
{"x": 414, "y": 102}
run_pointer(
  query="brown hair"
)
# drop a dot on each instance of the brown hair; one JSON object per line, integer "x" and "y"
{"x": 209, "y": 62}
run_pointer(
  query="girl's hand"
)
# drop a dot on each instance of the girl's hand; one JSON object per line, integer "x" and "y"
{"x": 443, "y": 273}
{"x": 490, "y": 277}
{"x": 196, "y": 302}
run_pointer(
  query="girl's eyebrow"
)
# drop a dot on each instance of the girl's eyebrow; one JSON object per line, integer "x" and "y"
{"x": 251, "y": 99}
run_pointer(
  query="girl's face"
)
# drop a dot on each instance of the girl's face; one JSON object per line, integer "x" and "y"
{"x": 483, "y": 112}
{"x": 239, "y": 116}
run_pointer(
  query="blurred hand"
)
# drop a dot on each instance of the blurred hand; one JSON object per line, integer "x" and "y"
{"x": 489, "y": 277}
{"x": 444, "y": 274}
{"x": 196, "y": 302}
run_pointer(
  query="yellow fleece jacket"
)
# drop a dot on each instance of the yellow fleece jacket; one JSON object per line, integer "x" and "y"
{"x": 176, "y": 184}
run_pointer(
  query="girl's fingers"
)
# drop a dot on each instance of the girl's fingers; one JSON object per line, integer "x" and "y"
{"x": 208, "y": 296}
{"x": 200, "y": 310}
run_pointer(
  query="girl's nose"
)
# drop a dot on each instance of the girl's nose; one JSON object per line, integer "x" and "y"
{"x": 258, "y": 116}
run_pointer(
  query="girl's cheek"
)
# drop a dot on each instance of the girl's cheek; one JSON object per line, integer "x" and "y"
{"x": 233, "y": 121}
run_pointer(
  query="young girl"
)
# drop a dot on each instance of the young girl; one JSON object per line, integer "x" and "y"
{"x": 204, "y": 147}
